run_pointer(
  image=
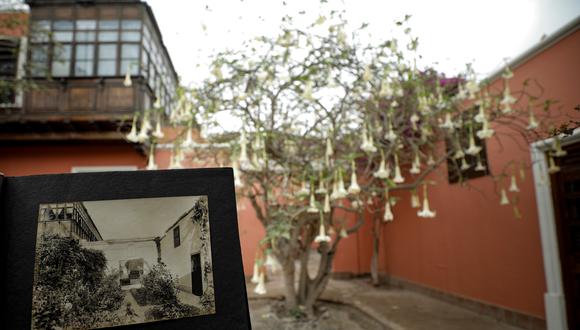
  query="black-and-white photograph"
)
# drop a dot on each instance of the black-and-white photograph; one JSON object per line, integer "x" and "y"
{"x": 116, "y": 262}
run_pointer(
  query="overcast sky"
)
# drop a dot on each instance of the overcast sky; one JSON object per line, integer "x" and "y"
{"x": 137, "y": 218}
{"x": 451, "y": 32}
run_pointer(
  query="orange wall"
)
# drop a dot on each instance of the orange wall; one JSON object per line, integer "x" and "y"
{"x": 475, "y": 247}
{"x": 29, "y": 160}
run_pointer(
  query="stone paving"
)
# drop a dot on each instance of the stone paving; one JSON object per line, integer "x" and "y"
{"x": 396, "y": 309}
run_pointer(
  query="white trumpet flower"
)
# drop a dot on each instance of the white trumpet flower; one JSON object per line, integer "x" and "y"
{"x": 390, "y": 134}
{"x": 307, "y": 93}
{"x": 473, "y": 148}
{"x": 272, "y": 263}
{"x": 480, "y": 117}
{"x": 144, "y": 131}
{"x": 261, "y": 287}
{"x": 388, "y": 216}
{"x": 329, "y": 150}
{"x": 321, "y": 186}
{"x": 415, "y": 201}
{"x": 513, "y": 184}
{"x": 508, "y": 74}
{"x": 485, "y": 132}
{"x": 368, "y": 144}
{"x": 386, "y": 90}
{"x": 188, "y": 143}
{"x": 158, "y": 131}
{"x": 304, "y": 190}
{"x": 151, "y": 165}
{"x": 217, "y": 72}
{"x": 458, "y": 153}
{"x": 237, "y": 177}
{"x": 127, "y": 82}
{"x": 132, "y": 136}
{"x": 532, "y": 122}
{"x": 368, "y": 74}
{"x": 472, "y": 88}
{"x": 243, "y": 148}
{"x": 431, "y": 160}
{"x": 175, "y": 162}
{"x": 383, "y": 172}
{"x": 326, "y": 208}
{"x": 553, "y": 167}
{"x": 479, "y": 166}
{"x": 256, "y": 273}
{"x": 354, "y": 188}
{"x": 507, "y": 100}
{"x": 504, "y": 199}
{"x": 464, "y": 165}
{"x": 425, "y": 212}
{"x": 312, "y": 207}
{"x": 416, "y": 167}
{"x": 398, "y": 177}
{"x": 322, "y": 236}
{"x": 558, "y": 151}
{"x": 448, "y": 123}
{"x": 414, "y": 119}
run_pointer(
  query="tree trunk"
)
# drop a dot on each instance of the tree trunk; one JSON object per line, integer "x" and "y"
{"x": 317, "y": 286}
{"x": 288, "y": 269}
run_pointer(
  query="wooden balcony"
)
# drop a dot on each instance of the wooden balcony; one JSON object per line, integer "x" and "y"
{"x": 75, "y": 109}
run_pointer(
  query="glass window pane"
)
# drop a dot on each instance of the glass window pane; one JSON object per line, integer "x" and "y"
{"x": 83, "y": 68}
{"x": 107, "y": 52}
{"x": 62, "y": 36}
{"x": 132, "y": 64}
{"x": 130, "y": 36}
{"x": 61, "y": 52}
{"x": 39, "y": 57}
{"x": 40, "y": 31}
{"x": 63, "y": 25}
{"x": 85, "y": 52}
{"x": 130, "y": 51}
{"x": 108, "y": 36}
{"x": 61, "y": 60}
{"x": 109, "y": 24}
{"x": 39, "y": 53}
{"x": 86, "y": 24}
{"x": 131, "y": 24}
{"x": 85, "y": 36}
{"x": 60, "y": 68}
{"x": 107, "y": 68}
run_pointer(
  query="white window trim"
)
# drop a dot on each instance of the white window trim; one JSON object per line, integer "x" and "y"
{"x": 555, "y": 305}
{"x": 85, "y": 169}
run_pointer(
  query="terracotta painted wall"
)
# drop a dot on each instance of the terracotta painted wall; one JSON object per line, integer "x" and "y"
{"x": 29, "y": 160}
{"x": 474, "y": 247}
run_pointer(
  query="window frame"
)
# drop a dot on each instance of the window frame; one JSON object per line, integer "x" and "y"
{"x": 176, "y": 237}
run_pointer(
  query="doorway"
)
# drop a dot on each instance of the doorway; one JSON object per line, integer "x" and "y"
{"x": 196, "y": 282}
{"x": 566, "y": 198}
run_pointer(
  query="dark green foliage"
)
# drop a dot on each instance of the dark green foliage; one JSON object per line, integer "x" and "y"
{"x": 171, "y": 311}
{"x": 72, "y": 288}
{"x": 160, "y": 289}
{"x": 160, "y": 286}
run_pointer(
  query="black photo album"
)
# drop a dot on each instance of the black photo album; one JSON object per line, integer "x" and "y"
{"x": 135, "y": 250}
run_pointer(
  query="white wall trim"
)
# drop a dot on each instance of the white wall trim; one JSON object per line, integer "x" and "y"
{"x": 84, "y": 169}
{"x": 554, "y": 297}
